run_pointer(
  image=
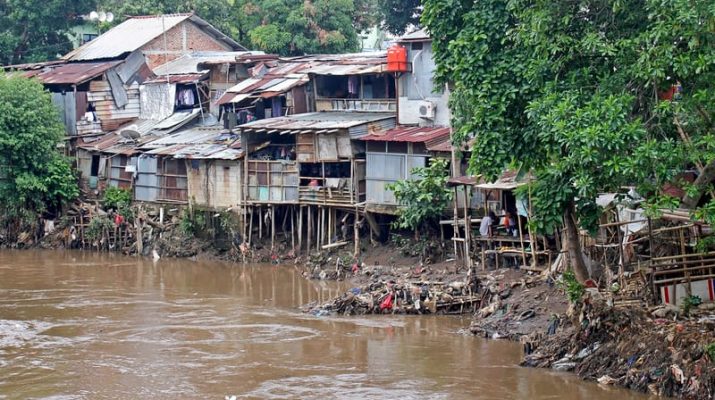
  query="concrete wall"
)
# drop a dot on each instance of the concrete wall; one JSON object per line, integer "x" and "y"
{"x": 418, "y": 86}
{"x": 181, "y": 39}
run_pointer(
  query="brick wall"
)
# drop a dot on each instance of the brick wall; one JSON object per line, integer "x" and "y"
{"x": 181, "y": 39}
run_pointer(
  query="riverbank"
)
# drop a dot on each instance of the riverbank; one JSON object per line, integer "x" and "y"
{"x": 598, "y": 342}
{"x": 656, "y": 350}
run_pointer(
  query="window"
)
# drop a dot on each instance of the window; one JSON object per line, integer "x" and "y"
{"x": 88, "y": 37}
{"x": 417, "y": 46}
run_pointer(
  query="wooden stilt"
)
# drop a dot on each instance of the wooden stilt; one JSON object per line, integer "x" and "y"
{"x": 292, "y": 228}
{"x": 455, "y": 225}
{"x": 310, "y": 227}
{"x": 356, "y": 234}
{"x": 521, "y": 240}
{"x": 260, "y": 222}
{"x": 467, "y": 231}
{"x": 250, "y": 226}
{"x": 330, "y": 225}
{"x": 273, "y": 227}
{"x": 300, "y": 229}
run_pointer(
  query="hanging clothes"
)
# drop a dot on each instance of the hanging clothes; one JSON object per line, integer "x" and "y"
{"x": 186, "y": 98}
{"x": 276, "y": 107}
{"x": 353, "y": 86}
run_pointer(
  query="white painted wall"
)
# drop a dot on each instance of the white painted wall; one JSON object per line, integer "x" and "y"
{"x": 418, "y": 86}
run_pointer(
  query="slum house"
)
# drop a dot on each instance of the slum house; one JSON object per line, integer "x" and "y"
{"x": 351, "y": 82}
{"x": 158, "y": 38}
{"x": 667, "y": 258}
{"x": 96, "y": 86}
{"x": 308, "y": 166}
{"x": 272, "y": 90}
{"x": 197, "y": 164}
{"x": 113, "y": 159}
{"x": 194, "y": 74}
{"x": 296, "y": 85}
{"x": 226, "y": 72}
{"x": 94, "y": 96}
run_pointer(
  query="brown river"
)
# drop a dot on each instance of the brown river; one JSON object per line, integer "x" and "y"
{"x": 86, "y": 326}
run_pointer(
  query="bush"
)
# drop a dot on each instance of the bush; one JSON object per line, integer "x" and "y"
{"x": 117, "y": 198}
{"x": 424, "y": 198}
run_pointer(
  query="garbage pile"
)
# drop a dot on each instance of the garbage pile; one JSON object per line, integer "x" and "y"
{"x": 649, "y": 350}
{"x": 513, "y": 309}
{"x": 403, "y": 297}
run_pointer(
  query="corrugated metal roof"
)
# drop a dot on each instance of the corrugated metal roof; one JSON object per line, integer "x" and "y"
{"x": 184, "y": 78}
{"x": 135, "y": 32}
{"x": 177, "y": 120}
{"x": 420, "y": 35}
{"x": 74, "y": 73}
{"x": 195, "y": 134}
{"x": 318, "y": 121}
{"x": 411, "y": 134}
{"x": 190, "y": 63}
{"x": 509, "y": 180}
{"x": 212, "y": 142}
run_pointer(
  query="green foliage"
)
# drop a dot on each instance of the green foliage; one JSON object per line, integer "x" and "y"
{"x": 574, "y": 289}
{"x": 397, "y": 15}
{"x": 691, "y": 302}
{"x": 287, "y": 27}
{"x": 98, "y": 226}
{"x": 33, "y": 174}
{"x": 425, "y": 197}
{"x": 710, "y": 350}
{"x": 570, "y": 91}
{"x": 705, "y": 244}
{"x": 116, "y": 198}
{"x": 192, "y": 222}
{"x": 36, "y": 30}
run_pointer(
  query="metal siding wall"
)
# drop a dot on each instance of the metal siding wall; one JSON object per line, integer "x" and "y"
{"x": 383, "y": 169}
{"x": 67, "y": 106}
{"x": 147, "y": 183}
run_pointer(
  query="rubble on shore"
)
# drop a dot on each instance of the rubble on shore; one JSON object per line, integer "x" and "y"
{"x": 655, "y": 350}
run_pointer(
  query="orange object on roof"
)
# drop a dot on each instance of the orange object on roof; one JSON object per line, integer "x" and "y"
{"x": 397, "y": 59}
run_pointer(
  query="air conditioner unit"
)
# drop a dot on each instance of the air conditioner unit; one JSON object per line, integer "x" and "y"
{"x": 427, "y": 109}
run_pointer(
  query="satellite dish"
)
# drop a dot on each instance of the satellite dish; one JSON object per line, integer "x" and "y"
{"x": 102, "y": 16}
{"x": 110, "y": 17}
{"x": 131, "y": 133}
{"x": 93, "y": 16}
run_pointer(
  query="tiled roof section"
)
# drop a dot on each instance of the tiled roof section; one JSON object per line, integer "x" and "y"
{"x": 136, "y": 32}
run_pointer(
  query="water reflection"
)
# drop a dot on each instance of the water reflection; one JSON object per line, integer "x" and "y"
{"x": 80, "y": 325}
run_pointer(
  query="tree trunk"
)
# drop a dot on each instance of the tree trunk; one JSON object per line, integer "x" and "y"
{"x": 574, "y": 246}
{"x": 704, "y": 179}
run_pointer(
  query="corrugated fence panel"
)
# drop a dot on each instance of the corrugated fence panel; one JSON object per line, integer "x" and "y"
{"x": 147, "y": 183}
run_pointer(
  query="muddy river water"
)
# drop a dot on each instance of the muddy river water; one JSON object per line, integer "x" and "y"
{"x": 86, "y": 326}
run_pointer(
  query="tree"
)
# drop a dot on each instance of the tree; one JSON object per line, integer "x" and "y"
{"x": 398, "y": 15}
{"x": 423, "y": 198}
{"x": 36, "y": 30}
{"x": 574, "y": 92}
{"x": 287, "y": 27}
{"x": 34, "y": 176}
